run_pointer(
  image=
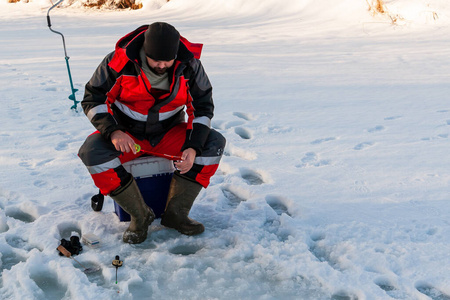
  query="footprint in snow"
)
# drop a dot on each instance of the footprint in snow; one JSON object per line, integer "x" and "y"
{"x": 44, "y": 162}
{"x": 232, "y": 124}
{"x": 311, "y": 159}
{"x": 251, "y": 177}
{"x": 218, "y": 124}
{"x": 277, "y": 204}
{"x": 40, "y": 183}
{"x": 376, "y": 129}
{"x": 231, "y": 150}
{"x": 26, "y": 164}
{"x": 389, "y": 287}
{"x": 325, "y": 253}
{"x": 223, "y": 125}
{"x": 392, "y": 118}
{"x": 320, "y": 141}
{"x": 318, "y": 236}
{"x": 431, "y": 291}
{"x": 245, "y": 116}
{"x": 360, "y": 186}
{"x": 244, "y": 133}
{"x": 363, "y": 146}
{"x": 62, "y": 146}
{"x": 233, "y": 197}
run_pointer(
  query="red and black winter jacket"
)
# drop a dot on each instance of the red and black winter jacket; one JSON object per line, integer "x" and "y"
{"x": 118, "y": 97}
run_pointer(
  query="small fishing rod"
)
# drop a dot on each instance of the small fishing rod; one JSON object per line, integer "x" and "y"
{"x": 168, "y": 156}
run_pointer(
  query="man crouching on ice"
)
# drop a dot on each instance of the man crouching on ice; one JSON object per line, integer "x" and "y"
{"x": 138, "y": 95}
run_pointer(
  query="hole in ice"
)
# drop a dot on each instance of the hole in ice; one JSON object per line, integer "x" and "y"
{"x": 17, "y": 242}
{"x": 3, "y": 227}
{"x": 342, "y": 295}
{"x": 243, "y": 133}
{"x": 185, "y": 249}
{"x": 66, "y": 230}
{"x": 94, "y": 275}
{"x": 50, "y": 286}
{"x": 140, "y": 290}
{"x": 431, "y": 291}
{"x": 10, "y": 259}
{"x": 20, "y": 215}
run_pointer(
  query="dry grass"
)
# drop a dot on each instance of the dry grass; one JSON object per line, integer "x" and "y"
{"x": 120, "y": 4}
{"x": 378, "y": 7}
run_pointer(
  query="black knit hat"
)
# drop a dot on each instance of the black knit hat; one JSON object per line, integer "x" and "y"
{"x": 161, "y": 41}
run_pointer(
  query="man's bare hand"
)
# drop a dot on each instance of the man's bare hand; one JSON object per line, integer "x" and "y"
{"x": 122, "y": 142}
{"x": 187, "y": 160}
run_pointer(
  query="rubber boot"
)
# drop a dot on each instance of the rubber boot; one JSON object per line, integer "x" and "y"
{"x": 182, "y": 194}
{"x": 130, "y": 199}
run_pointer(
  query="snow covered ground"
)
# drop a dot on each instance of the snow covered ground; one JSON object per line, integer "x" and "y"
{"x": 335, "y": 182}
